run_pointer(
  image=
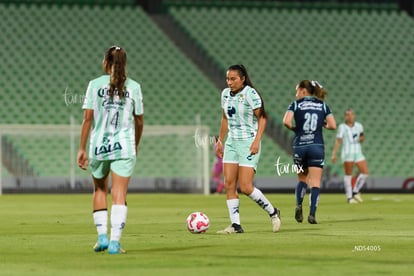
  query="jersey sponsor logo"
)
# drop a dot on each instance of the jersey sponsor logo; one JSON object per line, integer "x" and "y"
{"x": 307, "y": 137}
{"x": 231, "y": 111}
{"x": 110, "y": 103}
{"x": 257, "y": 102}
{"x": 305, "y": 105}
{"x": 235, "y": 125}
{"x": 105, "y": 92}
{"x": 107, "y": 147}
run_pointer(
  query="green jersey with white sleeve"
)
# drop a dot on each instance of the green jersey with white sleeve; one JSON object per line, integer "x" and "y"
{"x": 239, "y": 109}
{"x": 350, "y": 138}
{"x": 113, "y": 130}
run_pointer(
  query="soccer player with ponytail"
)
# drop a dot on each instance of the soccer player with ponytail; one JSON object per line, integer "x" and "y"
{"x": 113, "y": 117}
{"x": 244, "y": 120}
{"x": 311, "y": 114}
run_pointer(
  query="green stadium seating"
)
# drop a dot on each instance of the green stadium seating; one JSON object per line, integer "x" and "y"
{"x": 361, "y": 57}
{"x": 72, "y": 2}
{"x": 54, "y": 50}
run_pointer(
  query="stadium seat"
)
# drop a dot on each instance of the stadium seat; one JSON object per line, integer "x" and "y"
{"x": 358, "y": 55}
{"x": 58, "y": 48}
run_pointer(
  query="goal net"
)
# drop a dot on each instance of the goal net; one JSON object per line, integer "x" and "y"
{"x": 171, "y": 158}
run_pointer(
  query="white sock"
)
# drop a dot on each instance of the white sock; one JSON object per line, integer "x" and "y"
{"x": 262, "y": 201}
{"x": 360, "y": 182}
{"x": 118, "y": 220}
{"x": 348, "y": 186}
{"x": 100, "y": 218}
{"x": 233, "y": 205}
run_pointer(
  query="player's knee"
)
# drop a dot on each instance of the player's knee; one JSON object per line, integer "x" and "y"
{"x": 302, "y": 177}
{"x": 100, "y": 189}
{"x": 246, "y": 189}
{"x": 230, "y": 185}
{"x": 314, "y": 182}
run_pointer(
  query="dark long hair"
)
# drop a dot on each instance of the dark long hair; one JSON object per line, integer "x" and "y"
{"x": 116, "y": 59}
{"x": 314, "y": 88}
{"x": 242, "y": 72}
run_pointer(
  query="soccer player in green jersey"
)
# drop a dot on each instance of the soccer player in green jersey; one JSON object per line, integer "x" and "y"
{"x": 351, "y": 135}
{"x": 244, "y": 120}
{"x": 113, "y": 116}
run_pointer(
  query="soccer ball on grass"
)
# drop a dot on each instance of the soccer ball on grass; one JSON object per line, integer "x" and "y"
{"x": 197, "y": 223}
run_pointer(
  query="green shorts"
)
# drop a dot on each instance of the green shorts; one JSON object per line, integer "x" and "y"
{"x": 352, "y": 157}
{"x": 122, "y": 167}
{"x": 238, "y": 152}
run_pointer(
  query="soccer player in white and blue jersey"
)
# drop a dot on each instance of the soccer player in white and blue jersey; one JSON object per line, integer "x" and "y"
{"x": 113, "y": 116}
{"x": 243, "y": 121}
{"x": 351, "y": 134}
{"x": 311, "y": 114}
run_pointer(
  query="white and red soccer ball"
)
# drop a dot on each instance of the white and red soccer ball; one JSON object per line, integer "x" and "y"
{"x": 197, "y": 223}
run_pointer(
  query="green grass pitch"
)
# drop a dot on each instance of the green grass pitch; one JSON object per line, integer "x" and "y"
{"x": 54, "y": 235}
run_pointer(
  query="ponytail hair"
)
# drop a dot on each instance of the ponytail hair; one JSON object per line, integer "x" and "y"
{"x": 242, "y": 71}
{"x": 115, "y": 58}
{"x": 314, "y": 88}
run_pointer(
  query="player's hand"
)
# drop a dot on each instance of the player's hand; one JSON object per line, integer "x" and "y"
{"x": 333, "y": 158}
{"x": 254, "y": 148}
{"x": 82, "y": 159}
{"x": 219, "y": 149}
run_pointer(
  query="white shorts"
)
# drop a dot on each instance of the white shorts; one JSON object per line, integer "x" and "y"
{"x": 352, "y": 157}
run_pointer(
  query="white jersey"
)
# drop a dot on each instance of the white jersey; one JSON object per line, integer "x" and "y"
{"x": 239, "y": 109}
{"x": 113, "y": 130}
{"x": 350, "y": 138}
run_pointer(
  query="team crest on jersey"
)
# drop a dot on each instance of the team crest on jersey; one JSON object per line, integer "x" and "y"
{"x": 241, "y": 98}
{"x": 107, "y": 147}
